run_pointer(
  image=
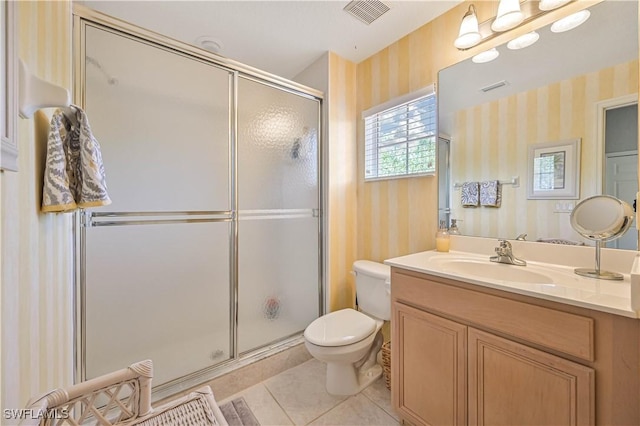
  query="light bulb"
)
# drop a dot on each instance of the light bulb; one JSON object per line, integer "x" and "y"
{"x": 552, "y": 4}
{"x": 509, "y": 15}
{"x": 486, "y": 56}
{"x": 523, "y": 41}
{"x": 570, "y": 22}
{"x": 469, "y": 34}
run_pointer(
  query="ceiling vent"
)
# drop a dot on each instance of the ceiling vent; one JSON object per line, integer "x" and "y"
{"x": 366, "y": 11}
{"x": 494, "y": 85}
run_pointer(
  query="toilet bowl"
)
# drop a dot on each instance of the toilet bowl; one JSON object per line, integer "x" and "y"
{"x": 348, "y": 341}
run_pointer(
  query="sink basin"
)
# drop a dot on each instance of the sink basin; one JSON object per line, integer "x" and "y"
{"x": 492, "y": 271}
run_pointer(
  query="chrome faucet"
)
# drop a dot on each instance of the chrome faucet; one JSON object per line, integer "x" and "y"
{"x": 505, "y": 255}
{"x": 521, "y": 237}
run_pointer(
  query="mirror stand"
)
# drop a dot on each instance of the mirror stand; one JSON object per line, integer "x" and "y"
{"x": 597, "y": 273}
{"x": 601, "y": 218}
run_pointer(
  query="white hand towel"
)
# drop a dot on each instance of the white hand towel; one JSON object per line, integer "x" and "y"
{"x": 74, "y": 173}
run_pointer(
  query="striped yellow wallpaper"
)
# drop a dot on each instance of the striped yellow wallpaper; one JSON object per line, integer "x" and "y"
{"x": 397, "y": 217}
{"x": 342, "y": 181}
{"x": 37, "y": 309}
{"x": 491, "y": 141}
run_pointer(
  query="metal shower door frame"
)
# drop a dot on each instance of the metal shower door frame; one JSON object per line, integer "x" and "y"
{"x": 84, "y": 17}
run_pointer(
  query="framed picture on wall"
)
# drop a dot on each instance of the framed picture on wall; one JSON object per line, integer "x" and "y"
{"x": 554, "y": 170}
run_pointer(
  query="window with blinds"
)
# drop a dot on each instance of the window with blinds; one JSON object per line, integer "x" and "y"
{"x": 400, "y": 141}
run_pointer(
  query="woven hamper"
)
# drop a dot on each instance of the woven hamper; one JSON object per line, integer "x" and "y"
{"x": 386, "y": 363}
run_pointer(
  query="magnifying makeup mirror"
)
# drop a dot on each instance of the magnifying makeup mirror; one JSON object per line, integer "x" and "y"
{"x": 601, "y": 218}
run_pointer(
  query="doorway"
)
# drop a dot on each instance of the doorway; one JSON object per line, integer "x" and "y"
{"x": 621, "y": 163}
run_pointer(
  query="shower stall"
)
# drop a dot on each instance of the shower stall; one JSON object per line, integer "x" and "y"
{"x": 211, "y": 251}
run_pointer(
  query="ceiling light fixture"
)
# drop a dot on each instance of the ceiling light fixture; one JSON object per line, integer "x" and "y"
{"x": 512, "y": 13}
{"x": 486, "y": 56}
{"x": 570, "y": 22}
{"x": 525, "y": 40}
{"x": 469, "y": 34}
{"x": 509, "y": 15}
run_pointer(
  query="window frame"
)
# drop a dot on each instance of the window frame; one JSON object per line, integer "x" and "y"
{"x": 391, "y": 104}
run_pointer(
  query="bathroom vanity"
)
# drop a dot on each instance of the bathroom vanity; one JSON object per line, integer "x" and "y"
{"x": 472, "y": 348}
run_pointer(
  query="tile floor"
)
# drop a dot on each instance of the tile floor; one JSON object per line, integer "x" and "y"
{"x": 297, "y": 396}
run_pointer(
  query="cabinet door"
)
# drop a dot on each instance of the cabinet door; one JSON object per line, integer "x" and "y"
{"x": 512, "y": 384}
{"x": 428, "y": 367}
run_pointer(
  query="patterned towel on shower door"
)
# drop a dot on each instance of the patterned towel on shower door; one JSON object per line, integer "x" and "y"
{"x": 74, "y": 174}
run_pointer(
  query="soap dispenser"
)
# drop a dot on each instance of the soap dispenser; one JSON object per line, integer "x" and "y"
{"x": 453, "y": 229}
{"x": 442, "y": 238}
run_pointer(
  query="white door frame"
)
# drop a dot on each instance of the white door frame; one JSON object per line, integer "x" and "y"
{"x": 601, "y": 108}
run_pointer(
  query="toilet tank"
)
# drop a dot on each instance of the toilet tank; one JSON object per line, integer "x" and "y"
{"x": 373, "y": 288}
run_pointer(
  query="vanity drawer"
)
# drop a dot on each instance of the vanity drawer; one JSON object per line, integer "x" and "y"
{"x": 568, "y": 333}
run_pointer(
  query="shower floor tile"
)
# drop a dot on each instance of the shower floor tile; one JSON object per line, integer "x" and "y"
{"x": 298, "y": 397}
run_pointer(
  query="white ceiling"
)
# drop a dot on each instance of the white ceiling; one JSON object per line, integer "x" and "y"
{"x": 280, "y": 37}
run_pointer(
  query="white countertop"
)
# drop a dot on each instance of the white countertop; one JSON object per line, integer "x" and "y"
{"x": 560, "y": 283}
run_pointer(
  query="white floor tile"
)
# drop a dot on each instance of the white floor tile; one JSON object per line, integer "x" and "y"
{"x": 381, "y": 396}
{"x": 357, "y": 410}
{"x": 301, "y": 392}
{"x": 298, "y": 397}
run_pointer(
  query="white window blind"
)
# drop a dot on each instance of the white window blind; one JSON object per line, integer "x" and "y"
{"x": 401, "y": 140}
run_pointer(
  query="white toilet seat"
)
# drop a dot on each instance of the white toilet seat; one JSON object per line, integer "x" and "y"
{"x": 340, "y": 328}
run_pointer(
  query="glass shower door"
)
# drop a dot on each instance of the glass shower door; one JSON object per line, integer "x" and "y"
{"x": 156, "y": 273}
{"x": 278, "y": 217}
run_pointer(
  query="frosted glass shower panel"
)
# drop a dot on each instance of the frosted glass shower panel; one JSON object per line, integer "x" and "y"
{"x": 278, "y": 278}
{"x": 157, "y": 292}
{"x": 278, "y": 137}
{"x": 162, "y": 120}
{"x": 278, "y": 228}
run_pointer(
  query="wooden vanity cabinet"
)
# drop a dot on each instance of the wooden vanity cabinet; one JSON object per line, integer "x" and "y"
{"x": 465, "y": 354}
{"x": 513, "y": 384}
{"x": 431, "y": 377}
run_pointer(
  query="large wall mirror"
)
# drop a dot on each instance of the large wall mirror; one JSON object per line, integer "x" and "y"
{"x": 570, "y": 91}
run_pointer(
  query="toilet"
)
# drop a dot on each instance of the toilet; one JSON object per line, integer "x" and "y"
{"x": 347, "y": 340}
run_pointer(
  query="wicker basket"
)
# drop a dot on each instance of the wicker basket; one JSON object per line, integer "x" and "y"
{"x": 386, "y": 363}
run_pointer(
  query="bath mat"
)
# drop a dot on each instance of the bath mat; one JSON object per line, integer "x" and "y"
{"x": 238, "y": 413}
